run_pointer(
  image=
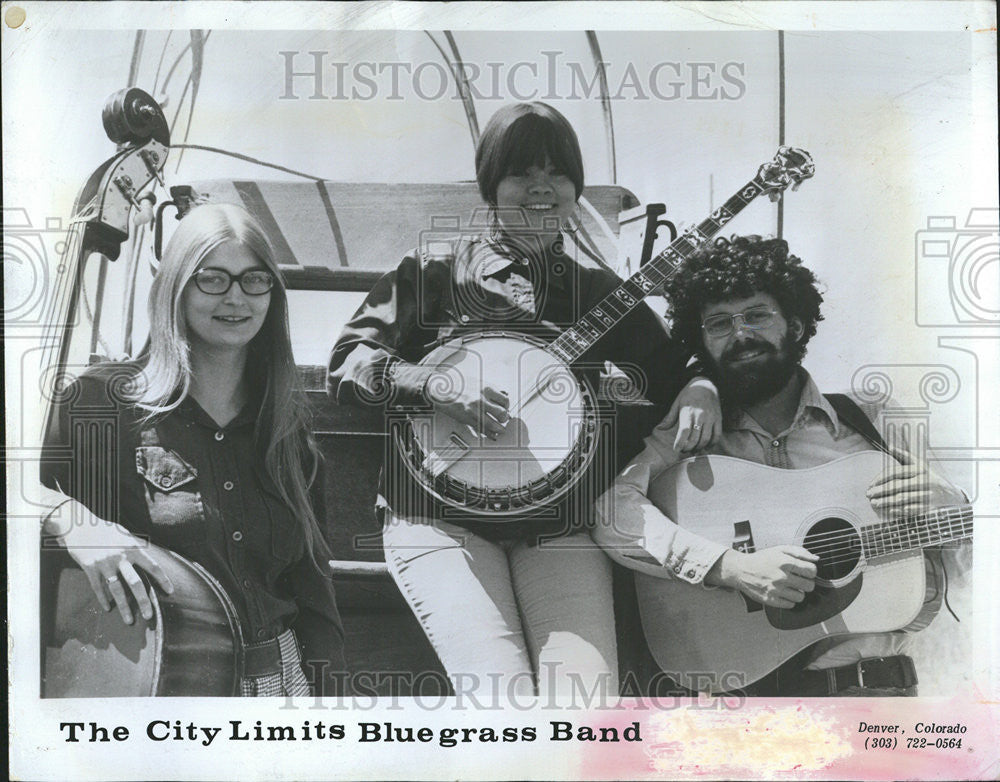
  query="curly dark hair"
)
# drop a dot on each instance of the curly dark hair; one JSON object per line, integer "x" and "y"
{"x": 737, "y": 268}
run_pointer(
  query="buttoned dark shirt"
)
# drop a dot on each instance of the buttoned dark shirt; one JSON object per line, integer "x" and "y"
{"x": 478, "y": 285}
{"x": 200, "y": 490}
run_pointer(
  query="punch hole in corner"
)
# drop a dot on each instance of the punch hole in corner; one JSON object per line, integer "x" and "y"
{"x": 14, "y": 17}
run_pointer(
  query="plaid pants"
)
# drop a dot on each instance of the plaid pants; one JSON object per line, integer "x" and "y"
{"x": 289, "y": 681}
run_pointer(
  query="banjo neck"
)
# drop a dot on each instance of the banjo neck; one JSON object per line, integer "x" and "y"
{"x": 537, "y": 461}
{"x": 788, "y": 168}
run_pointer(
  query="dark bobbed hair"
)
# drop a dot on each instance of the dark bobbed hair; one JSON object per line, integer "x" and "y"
{"x": 522, "y": 135}
{"x": 738, "y": 268}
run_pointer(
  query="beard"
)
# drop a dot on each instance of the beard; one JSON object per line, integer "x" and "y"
{"x": 759, "y": 380}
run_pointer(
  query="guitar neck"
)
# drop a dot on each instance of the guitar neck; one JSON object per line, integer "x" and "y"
{"x": 613, "y": 308}
{"x": 944, "y": 525}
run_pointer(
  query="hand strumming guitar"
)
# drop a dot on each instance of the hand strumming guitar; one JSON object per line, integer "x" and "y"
{"x": 485, "y": 410}
{"x": 778, "y": 576}
{"x": 108, "y": 554}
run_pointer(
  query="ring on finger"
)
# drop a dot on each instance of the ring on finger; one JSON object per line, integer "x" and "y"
{"x": 697, "y": 427}
{"x": 112, "y": 580}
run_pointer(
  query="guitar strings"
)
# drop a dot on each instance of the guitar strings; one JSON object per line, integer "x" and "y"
{"x": 914, "y": 522}
{"x": 834, "y": 554}
{"x": 887, "y": 539}
{"x": 889, "y": 530}
{"x": 886, "y": 536}
{"x": 941, "y": 526}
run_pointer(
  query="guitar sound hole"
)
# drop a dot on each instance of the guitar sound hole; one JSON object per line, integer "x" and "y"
{"x": 838, "y": 546}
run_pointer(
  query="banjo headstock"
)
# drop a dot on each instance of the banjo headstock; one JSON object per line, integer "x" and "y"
{"x": 789, "y": 168}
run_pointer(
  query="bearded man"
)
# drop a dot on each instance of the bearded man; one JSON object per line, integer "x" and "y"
{"x": 747, "y": 309}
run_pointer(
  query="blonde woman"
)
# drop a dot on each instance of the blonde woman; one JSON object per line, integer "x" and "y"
{"x": 210, "y": 455}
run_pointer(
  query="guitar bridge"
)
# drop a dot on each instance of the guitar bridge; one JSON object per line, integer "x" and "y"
{"x": 743, "y": 542}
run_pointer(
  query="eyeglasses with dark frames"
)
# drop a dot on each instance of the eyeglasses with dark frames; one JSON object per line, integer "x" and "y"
{"x": 759, "y": 317}
{"x": 216, "y": 282}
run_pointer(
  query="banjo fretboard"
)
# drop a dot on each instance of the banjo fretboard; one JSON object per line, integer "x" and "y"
{"x": 789, "y": 167}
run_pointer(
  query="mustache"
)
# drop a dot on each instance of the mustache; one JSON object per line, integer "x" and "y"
{"x": 749, "y": 344}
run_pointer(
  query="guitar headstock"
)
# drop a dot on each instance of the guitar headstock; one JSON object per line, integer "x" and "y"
{"x": 789, "y": 168}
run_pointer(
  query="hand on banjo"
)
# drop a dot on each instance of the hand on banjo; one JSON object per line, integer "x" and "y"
{"x": 108, "y": 554}
{"x": 485, "y": 410}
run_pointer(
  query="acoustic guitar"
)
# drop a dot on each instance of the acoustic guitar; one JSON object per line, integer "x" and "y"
{"x": 871, "y": 575}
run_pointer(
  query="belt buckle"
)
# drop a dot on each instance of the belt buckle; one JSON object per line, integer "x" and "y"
{"x": 859, "y": 667}
{"x": 860, "y": 671}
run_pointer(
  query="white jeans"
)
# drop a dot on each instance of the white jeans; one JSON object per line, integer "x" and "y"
{"x": 507, "y": 617}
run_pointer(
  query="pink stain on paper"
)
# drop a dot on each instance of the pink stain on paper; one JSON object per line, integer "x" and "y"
{"x": 822, "y": 739}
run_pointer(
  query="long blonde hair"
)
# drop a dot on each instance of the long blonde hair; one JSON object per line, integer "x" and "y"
{"x": 281, "y": 432}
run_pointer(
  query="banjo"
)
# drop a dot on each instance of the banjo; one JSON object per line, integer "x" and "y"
{"x": 552, "y": 435}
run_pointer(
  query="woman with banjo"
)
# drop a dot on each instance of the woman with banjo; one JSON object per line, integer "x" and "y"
{"x": 208, "y": 455}
{"x": 484, "y": 524}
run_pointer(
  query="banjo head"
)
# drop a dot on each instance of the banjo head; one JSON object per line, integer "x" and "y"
{"x": 545, "y": 447}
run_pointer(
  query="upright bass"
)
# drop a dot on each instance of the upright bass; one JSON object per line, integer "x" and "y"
{"x": 192, "y": 644}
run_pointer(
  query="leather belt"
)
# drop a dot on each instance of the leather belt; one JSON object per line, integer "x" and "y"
{"x": 261, "y": 659}
{"x": 895, "y": 672}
